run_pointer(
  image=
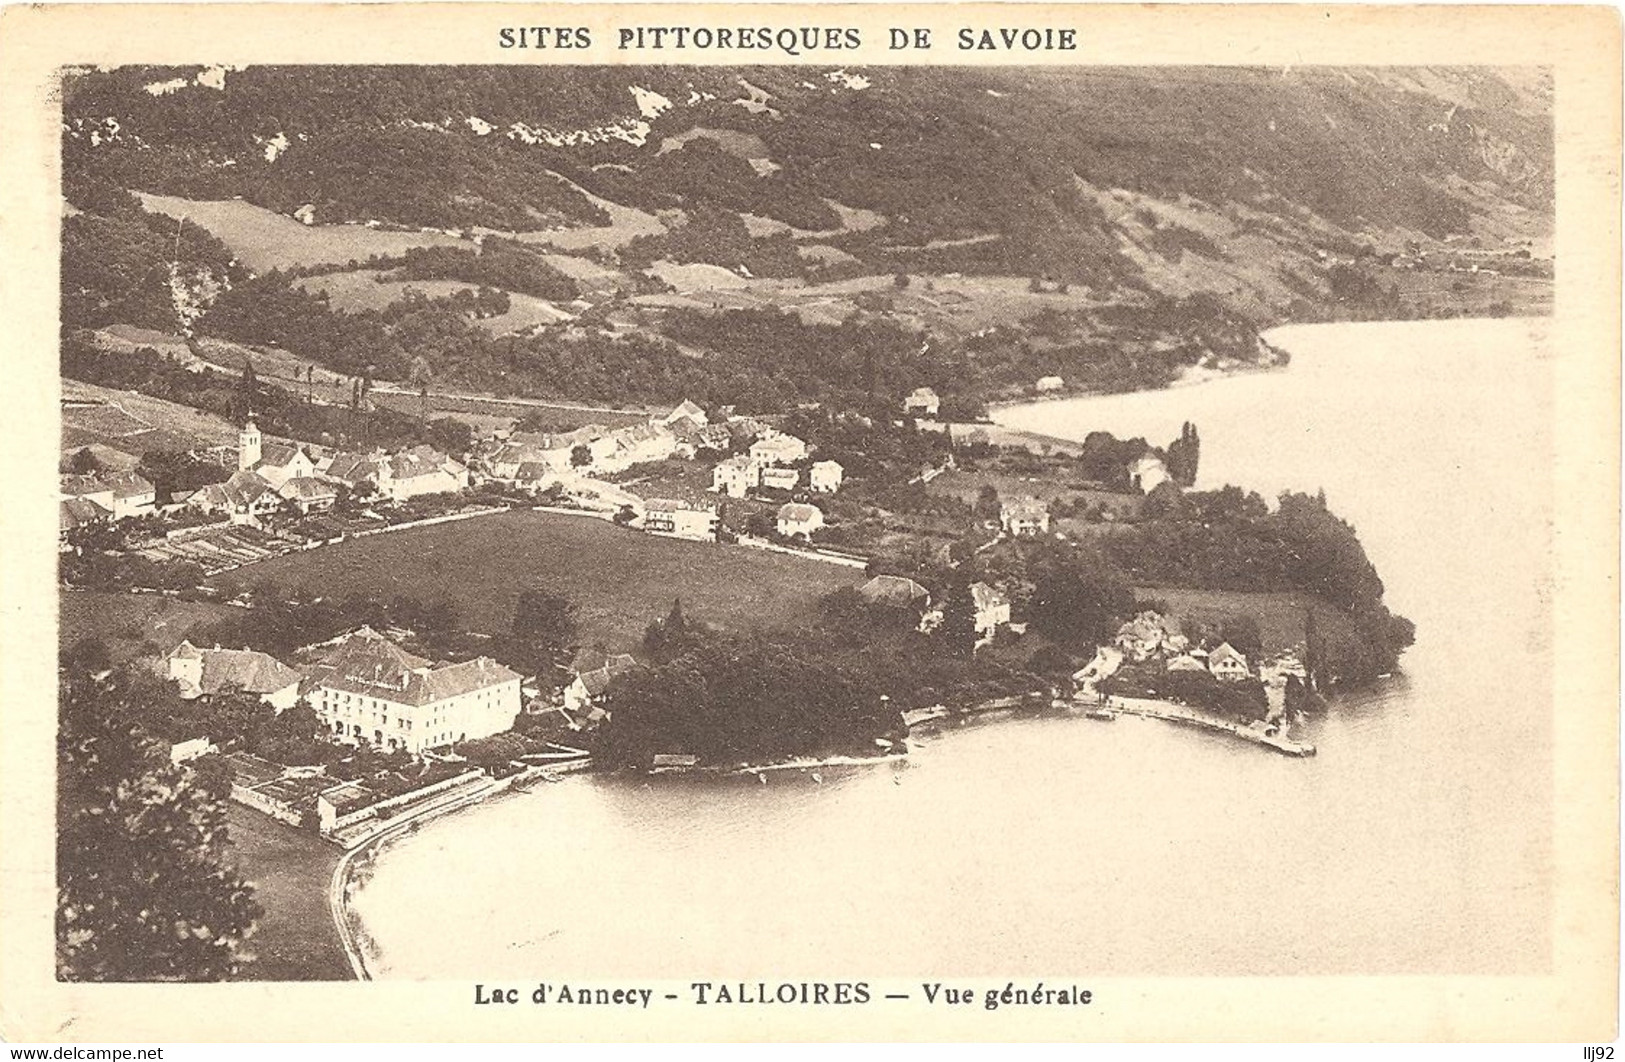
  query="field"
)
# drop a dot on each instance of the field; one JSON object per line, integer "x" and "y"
{"x": 1472, "y": 295}
{"x": 625, "y": 224}
{"x": 290, "y": 870}
{"x": 136, "y": 423}
{"x": 361, "y": 290}
{"x": 270, "y": 363}
{"x": 263, "y": 239}
{"x": 943, "y": 304}
{"x": 618, "y": 579}
{"x": 124, "y": 622}
{"x": 966, "y": 486}
{"x": 1280, "y": 615}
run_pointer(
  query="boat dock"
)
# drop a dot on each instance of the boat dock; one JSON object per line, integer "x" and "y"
{"x": 1258, "y": 732}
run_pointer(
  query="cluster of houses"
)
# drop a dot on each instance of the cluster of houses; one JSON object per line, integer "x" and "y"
{"x": 101, "y": 497}
{"x": 538, "y": 460}
{"x": 772, "y": 461}
{"x": 365, "y": 689}
{"x": 1149, "y": 639}
{"x": 271, "y": 473}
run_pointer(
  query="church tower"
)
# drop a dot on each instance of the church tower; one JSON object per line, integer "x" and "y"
{"x": 248, "y": 447}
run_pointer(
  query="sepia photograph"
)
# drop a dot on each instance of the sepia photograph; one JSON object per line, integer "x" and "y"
{"x": 692, "y": 529}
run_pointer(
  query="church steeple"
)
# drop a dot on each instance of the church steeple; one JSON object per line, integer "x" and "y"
{"x": 248, "y": 446}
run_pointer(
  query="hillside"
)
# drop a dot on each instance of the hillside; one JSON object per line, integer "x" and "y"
{"x": 1113, "y": 226}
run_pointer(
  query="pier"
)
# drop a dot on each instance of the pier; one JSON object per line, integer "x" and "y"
{"x": 1258, "y": 732}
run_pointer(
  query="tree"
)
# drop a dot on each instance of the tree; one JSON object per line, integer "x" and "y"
{"x": 957, "y": 630}
{"x": 665, "y": 638}
{"x": 84, "y": 462}
{"x": 987, "y": 502}
{"x": 1184, "y": 455}
{"x": 144, "y": 891}
{"x": 1245, "y": 636}
{"x": 247, "y": 397}
{"x": 545, "y": 623}
{"x": 421, "y": 377}
{"x": 580, "y": 456}
{"x": 1078, "y": 600}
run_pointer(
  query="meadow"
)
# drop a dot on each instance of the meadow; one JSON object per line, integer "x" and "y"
{"x": 131, "y": 625}
{"x": 263, "y": 239}
{"x": 618, "y": 579}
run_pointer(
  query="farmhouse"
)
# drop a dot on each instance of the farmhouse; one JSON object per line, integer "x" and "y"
{"x": 777, "y": 448}
{"x": 205, "y": 672}
{"x": 1142, "y": 637}
{"x": 1226, "y": 664}
{"x": 122, "y": 494}
{"x": 895, "y": 591}
{"x": 780, "y": 478}
{"x": 992, "y": 610}
{"x": 668, "y": 516}
{"x": 826, "y": 476}
{"x": 309, "y": 494}
{"x": 688, "y": 438}
{"x": 582, "y": 695}
{"x": 1047, "y": 384}
{"x": 686, "y": 410}
{"x": 244, "y": 498}
{"x": 365, "y": 688}
{"x": 74, "y": 513}
{"x": 799, "y": 520}
{"x": 535, "y": 475}
{"x": 1024, "y": 517}
{"x": 351, "y": 469}
{"x": 1105, "y": 664}
{"x": 632, "y": 445}
{"x": 922, "y": 400}
{"x": 735, "y": 476}
{"x": 420, "y": 470}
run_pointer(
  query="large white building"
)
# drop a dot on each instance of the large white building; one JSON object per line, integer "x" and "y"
{"x": 736, "y": 476}
{"x": 669, "y": 516}
{"x": 365, "y": 688}
{"x": 777, "y": 448}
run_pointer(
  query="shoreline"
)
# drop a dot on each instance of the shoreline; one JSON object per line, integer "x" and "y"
{"x": 353, "y": 937}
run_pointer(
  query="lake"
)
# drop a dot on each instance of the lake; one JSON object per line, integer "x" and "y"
{"x": 1418, "y": 841}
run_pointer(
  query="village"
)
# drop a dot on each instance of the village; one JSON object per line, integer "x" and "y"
{"x": 452, "y": 732}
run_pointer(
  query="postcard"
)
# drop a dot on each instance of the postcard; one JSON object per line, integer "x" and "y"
{"x": 839, "y": 522}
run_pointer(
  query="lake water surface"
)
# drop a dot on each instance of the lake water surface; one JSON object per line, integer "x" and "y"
{"x": 1418, "y": 841}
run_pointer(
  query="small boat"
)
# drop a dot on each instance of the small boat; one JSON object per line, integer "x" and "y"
{"x": 818, "y": 778}
{"x": 1101, "y": 713}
